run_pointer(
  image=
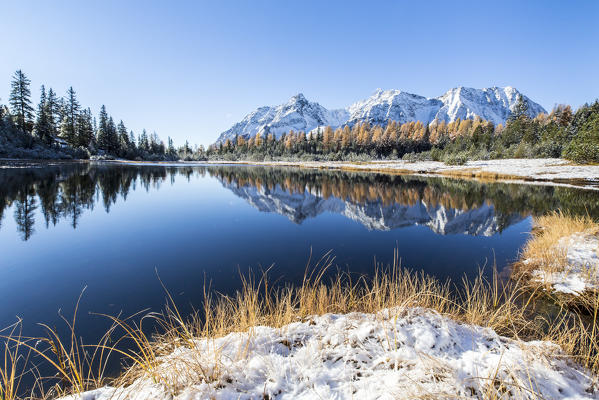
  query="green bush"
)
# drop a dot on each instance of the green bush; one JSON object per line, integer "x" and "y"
{"x": 582, "y": 152}
{"x": 456, "y": 159}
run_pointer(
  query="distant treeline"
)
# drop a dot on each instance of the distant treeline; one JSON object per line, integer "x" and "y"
{"x": 561, "y": 133}
{"x": 60, "y": 127}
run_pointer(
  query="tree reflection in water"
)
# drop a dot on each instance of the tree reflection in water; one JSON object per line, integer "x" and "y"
{"x": 63, "y": 191}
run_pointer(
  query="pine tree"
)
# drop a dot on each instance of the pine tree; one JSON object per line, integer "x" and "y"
{"x": 52, "y": 111}
{"x": 124, "y": 144}
{"x": 144, "y": 143}
{"x": 520, "y": 110}
{"x": 85, "y": 129}
{"x": 132, "y": 140}
{"x": 113, "y": 137}
{"x": 43, "y": 128}
{"x": 171, "y": 147}
{"x": 20, "y": 101}
{"x": 103, "y": 139}
{"x": 68, "y": 129}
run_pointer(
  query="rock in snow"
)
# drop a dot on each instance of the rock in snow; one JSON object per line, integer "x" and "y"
{"x": 494, "y": 104}
{"x": 395, "y": 354}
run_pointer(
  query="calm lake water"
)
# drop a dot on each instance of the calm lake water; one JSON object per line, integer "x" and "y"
{"x": 111, "y": 228}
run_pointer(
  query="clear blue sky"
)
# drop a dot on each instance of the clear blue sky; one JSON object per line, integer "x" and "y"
{"x": 192, "y": 69}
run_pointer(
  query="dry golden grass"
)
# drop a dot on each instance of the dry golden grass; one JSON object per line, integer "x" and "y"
{"x": 10, "y": 377}
{"x": 542, "y": 251}
{"x": 485, "y": 176}
{"x": 511, "y": 309}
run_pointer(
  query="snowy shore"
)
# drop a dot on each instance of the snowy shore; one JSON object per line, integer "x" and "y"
{"x": 580, "y": 269}
{"x": 549, "y": 170}
{"x": 401, "y": 353}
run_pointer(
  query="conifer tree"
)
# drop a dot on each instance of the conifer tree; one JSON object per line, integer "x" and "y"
{"x": 144, "y": 143}
{"x": 103, "y": 139}
{"x": 123, "y": 138}
{"x": 132, "y": 140}
{"x": 68, "y": 128}
{"x": 520, "y": 110}
{"x": 85, "y": 129}
{"x": 171, "y": 146}
{"x": 20, "y": 101}
{"x": 113, "y": 137}
{"x": 43, "y": 128}
{"x": 52, "y": 111}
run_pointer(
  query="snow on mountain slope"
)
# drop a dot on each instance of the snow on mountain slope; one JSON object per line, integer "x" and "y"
{"x": 393, "y": 105}
{"x": 297, "y": 114}
{"x": 494, "y": 104}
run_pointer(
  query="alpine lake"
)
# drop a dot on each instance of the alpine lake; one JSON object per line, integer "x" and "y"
{"x": 112, "y": 234}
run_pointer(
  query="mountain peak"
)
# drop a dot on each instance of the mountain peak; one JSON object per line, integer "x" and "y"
{"x": 298, "y": 97}
{"x": 494, "y": 104}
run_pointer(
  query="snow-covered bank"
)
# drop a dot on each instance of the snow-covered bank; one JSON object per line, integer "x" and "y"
{"x": 580, "y": 271}
{"x": 554, "y": 171}
{"x": 403, "y": 353}
{"x": 563, "y": 254}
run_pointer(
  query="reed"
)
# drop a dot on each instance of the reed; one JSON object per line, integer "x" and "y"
{"x": 10, "y": 376}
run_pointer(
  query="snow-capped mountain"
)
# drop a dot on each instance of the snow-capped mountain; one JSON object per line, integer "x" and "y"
{"x": 297, "y": 114}
{"x": 393, "y": 105}
{"x": 374, "y": 215}
{"x": 494, "y": 104}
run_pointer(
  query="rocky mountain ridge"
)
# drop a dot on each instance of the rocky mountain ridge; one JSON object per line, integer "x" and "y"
{"x": 299, "y": 114}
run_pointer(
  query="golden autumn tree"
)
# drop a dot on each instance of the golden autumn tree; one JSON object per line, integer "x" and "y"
{"x": 258, "y": 140}
{"x": 377, "y": 136}
{"x": 345, "y": 138}
{"x": 327, "y": 137}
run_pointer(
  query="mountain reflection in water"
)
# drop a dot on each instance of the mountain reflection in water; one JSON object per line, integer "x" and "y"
{"x": 378, "y": 202}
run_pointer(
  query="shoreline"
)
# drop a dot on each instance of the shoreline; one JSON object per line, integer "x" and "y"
{"x": 555, "y": 172}
{"x": 540, "y": 171}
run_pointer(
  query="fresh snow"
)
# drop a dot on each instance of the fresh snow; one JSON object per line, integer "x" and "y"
{"x": 400, "y": 353}
{"x": 298, "y": 114}
{"x": 494, "y": 104}
{"x": 552, "y": 171}
{"x": 581, "y": 271}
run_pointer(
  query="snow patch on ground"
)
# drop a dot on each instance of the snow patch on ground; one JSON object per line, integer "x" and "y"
{"x": 581, "y": 271}
{"x": 401, "y": 353}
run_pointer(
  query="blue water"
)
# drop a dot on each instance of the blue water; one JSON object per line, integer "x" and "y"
{"x": 112, "y": 228}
